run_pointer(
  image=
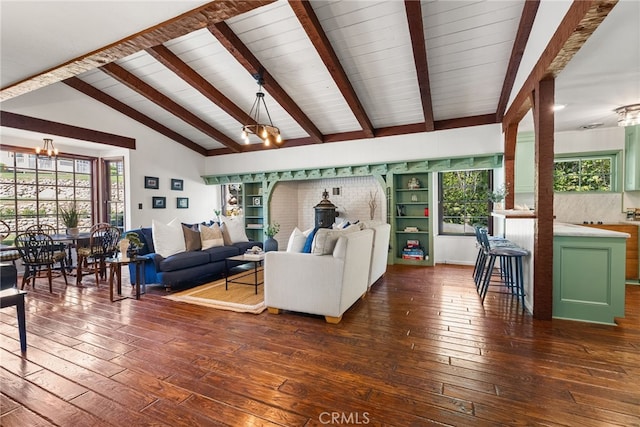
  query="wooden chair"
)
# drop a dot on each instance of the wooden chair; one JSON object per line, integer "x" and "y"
{"x": 103, "y": 243}
{"x": 9, "y": 255}
{"x": 38, "y": 254}
{"x": 60, "y": 247}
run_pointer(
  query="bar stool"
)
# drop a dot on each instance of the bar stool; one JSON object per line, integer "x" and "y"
{"x": 511, "y": 267}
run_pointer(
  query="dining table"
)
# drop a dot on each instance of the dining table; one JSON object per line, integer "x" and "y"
{"x": 70, "y": 243}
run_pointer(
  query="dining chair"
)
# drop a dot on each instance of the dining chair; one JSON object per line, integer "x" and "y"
{"x": 59, "y": 247}
{"x": 8, "y": 255}
{"x": 38, "y": 253}
{"x": 103, "y": 243}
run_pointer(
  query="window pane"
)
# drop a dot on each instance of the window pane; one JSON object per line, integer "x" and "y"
{"x": 40, "y": 186}
{"x": 464, "y": 201}
{"x": 586, "y": 174}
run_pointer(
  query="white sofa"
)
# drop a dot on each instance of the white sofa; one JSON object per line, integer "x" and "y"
{"x": 380, "y": 253}
{"x": 325, "y": 285}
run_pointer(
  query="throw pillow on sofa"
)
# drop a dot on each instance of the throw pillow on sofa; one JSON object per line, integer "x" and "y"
{"x": 168, "y": 239}
{"x": 325, "y": 239}
{"x": 191, "y": 239}
{"x": 233, "y": 230}
{"x": 297, "y": 240}
{"x": 211, "y": 237}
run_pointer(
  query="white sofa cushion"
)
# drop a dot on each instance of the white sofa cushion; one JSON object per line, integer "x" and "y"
{"x": 325, "y": 239}
{"x": 296, "y": 241}
{"x": 233, "y": 230}
{"x": 211, "y": 236}
{"x": 168, "y": 239}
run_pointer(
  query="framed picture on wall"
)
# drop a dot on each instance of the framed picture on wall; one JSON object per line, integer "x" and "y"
{"x": 159, "y": 202}
{"x": 151, "y": 182}
{"x": 183, "y": 202}
{"x": 177, "y": 184}
{"x": 257, "y": 201}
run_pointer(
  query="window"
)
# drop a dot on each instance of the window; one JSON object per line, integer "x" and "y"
{"x": 589, "y": 173}
{"x": 463, "y": 201}
{"x": 32, "y": 189}
{"x": 114, "y": 194}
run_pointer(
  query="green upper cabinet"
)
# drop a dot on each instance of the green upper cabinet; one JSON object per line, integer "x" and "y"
{"x": 632, "y": 158}
{"x": 525, "y": 163}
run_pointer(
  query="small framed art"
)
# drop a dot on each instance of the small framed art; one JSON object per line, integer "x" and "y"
{"x": 177, "y": 184}
{"x": 159, "y": 202}
{"x": 151, "y": 182}
{"x": 257, "y": 201}
{"x": 183, "y": 202}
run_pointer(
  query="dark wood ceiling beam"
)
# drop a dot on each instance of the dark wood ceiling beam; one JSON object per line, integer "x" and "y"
{"x": 580, "y": 21}
{"x": 122, "y": 108}
{"x": 163, "y": 101}
{"x": 241, "y": 53}
{"x": 170, "y": 60}
{"x": 522, "y": 36}
{"x": 309, "y": 21}
{"x": 188, "y": 22}
{"x": 416, "y": 31}
{"x": 47, "y": 127}
{"x": 462, "y": 122}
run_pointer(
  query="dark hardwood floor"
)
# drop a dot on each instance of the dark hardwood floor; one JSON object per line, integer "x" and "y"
{"x": 420, "y": 349}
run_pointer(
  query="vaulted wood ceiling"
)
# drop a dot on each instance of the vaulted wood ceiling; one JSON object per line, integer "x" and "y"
{"x": 333, "y": 71}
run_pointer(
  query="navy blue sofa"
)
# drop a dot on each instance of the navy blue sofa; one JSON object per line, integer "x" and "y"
{"x": 184, "y": 269}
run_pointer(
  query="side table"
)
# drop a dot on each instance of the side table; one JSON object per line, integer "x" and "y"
{"x": 115, "y": 272}
{"x": 10, "y": 297}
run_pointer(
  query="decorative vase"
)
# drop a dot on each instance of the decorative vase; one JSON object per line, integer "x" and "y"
{"x": 124, "y": 247}
{"x": 498, "y": 206}
{"x": 270, "y": 244}
{"x": 73, "y": 231}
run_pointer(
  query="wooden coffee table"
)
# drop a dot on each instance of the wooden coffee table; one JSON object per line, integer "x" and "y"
{"x": 244, "y": 259}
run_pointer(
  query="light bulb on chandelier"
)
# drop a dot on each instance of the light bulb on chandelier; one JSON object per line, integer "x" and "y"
{"x": 47, "y": 148}
{"x": 265, "y": 131}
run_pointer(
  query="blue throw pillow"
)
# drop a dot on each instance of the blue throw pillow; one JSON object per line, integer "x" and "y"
{"x": 309, "y": 242}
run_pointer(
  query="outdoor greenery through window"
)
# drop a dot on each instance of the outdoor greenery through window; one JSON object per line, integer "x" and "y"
{"x": 34, "y": 189}
{"x": 583, "y": 174}
{"x": 463, "y": 200}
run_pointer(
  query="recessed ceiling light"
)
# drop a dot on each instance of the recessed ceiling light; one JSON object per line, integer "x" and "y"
{"x": 558, "y": 107}
{"x": 591, "y": 126}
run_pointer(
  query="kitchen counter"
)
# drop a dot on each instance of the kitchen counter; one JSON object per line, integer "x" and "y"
{"x": 573, "y": 230}
{"x": 514, "y": 213}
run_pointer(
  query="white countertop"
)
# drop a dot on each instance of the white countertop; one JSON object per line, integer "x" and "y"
{"x": 573, "y": 230}
{"x": 514, "y": 213}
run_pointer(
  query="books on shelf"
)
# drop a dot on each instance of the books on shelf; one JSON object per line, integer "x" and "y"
{"x": 411, "y": 229}
{"x": 255, "y": 226}
{"x": 413, "y": 250}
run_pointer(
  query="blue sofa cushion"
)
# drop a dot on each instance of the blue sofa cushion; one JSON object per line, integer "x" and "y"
{"x": 184, "y": 260}
{"x": 219, "y": 253}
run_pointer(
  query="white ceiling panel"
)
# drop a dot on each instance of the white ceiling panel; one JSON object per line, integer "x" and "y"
{"x": 468, "y": 49}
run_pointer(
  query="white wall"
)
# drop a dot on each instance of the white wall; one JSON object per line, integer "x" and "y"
{"x": 450, "y": 143}
{"x": 292, "y": 202}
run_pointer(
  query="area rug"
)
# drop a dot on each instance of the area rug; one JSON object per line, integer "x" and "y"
{"x": 240, "y": 297}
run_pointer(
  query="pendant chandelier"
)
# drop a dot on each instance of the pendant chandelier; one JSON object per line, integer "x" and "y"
{"x": 267, "y": 132}
{"x": 628, "y": 115}
{"x": 47, "y": 149}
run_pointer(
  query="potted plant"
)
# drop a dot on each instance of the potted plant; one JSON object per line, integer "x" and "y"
{"x": 271, "y": 244}
{"x": 497, "y": 196}
{"x": 130, "y": 244}
{"x": 70, "y": 217}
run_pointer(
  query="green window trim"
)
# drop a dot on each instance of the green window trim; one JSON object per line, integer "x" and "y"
{"x": 574, "y": 172}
